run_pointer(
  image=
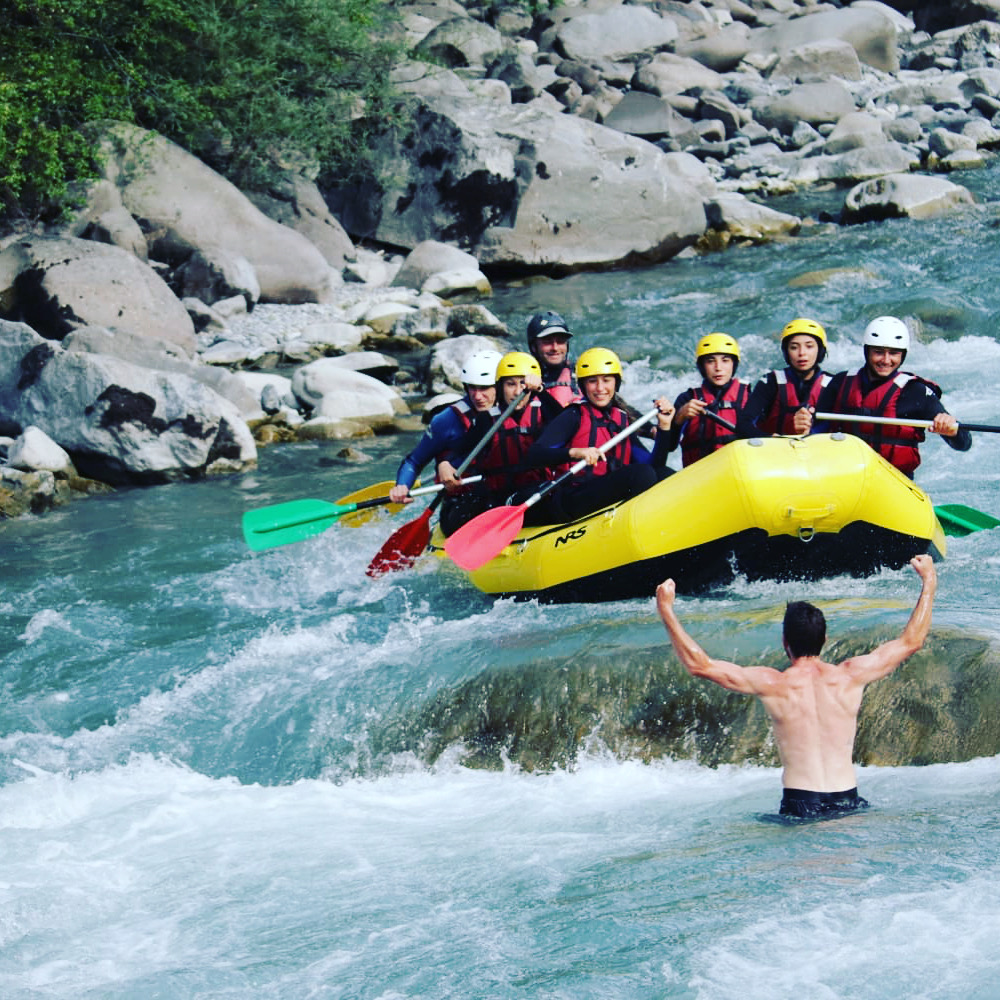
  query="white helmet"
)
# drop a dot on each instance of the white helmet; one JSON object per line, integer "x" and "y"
{"x": 481, "y": 368}
{"x": 887, "y": 331}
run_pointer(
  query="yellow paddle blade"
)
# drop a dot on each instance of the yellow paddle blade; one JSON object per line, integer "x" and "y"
{"x": 360, "y": 517}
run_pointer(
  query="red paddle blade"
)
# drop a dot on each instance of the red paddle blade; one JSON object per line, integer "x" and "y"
{"x": 485, "y": 536}
{"x": 403, "y": 546}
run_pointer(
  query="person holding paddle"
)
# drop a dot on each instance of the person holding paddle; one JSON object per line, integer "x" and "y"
{"x": 813, "y": 705}
{"x": 707, "y": 415}
{"x": 518, "y": 381}
{"x": 450, "y": 426}
{"x": 880, "y": 389}
{"x": 779, "y": 402}
{"x": 579, "y": 432}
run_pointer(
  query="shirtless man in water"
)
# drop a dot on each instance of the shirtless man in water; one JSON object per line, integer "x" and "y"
{"x": 813, "y": 705}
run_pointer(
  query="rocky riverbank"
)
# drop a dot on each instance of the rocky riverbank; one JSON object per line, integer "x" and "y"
{"x": 176, "y": 324}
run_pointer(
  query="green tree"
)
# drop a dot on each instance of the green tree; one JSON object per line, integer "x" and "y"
{"x": 240, "y": 83}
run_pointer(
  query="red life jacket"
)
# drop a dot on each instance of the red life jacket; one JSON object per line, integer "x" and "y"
{"x": 463, "y": 408}
{"x": 702, "y": 435}
{"x": 780, "y": 418}
{"x": 897, "y": 445}
{"x": 560, "y": 387}
{"x": 596, "y": 428}
{"x": 508, "y": 447}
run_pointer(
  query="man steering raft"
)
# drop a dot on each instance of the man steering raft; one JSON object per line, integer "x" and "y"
{"x": 813, "y": 705}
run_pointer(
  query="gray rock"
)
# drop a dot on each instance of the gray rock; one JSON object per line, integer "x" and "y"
{"x": 942, "y": 142}
{"x": 214, "y": 274}
{"x": 857, "y": 128}
{"x": 462, "y": 42}
{"x": 59, "y": 284}
{"x": 668, "y": 73}
{"x": 296, "y": 202}
{"x": 817, "y": 61}
{"x": 856, "y": 165}
{"x": 431, "y": 259}
{"x": 809, "y": 102}
{"x": 35, "y": 451}
{"x": 104, "y": 219}
{"x": 119, "y": 422}
{"x": 720, "y": 50}
{"x": 744, "y": 219}
{"x": 616, "y": 33}
{"x": 524, "y": 187}
{"x": 649, "y": 117}
{"x": 185, "y": 206}
{"x": 903, "y": 196}
{"x": 871, "y": 33}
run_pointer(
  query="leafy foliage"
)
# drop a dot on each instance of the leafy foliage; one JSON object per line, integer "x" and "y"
{"x": 242, "y": 84}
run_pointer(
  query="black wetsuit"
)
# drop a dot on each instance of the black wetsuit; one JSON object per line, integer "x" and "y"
{"x": 815, "y": 805}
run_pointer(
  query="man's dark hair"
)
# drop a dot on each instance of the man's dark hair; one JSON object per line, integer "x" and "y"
{"x": 804, "y": 629}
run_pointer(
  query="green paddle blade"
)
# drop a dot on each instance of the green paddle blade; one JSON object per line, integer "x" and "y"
{"x": 284, "y": 523}
{"x": 959, "y": 520}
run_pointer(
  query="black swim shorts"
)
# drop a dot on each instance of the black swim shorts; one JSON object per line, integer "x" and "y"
{"x": 811, "y": 805}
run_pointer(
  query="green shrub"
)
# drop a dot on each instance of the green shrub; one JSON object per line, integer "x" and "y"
{"x": 242, "y": 84}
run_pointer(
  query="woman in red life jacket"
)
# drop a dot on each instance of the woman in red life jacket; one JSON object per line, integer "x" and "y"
{"x": 881, "y": 389}
{"x": 501, "y": 462}
{"x": 717, "y": 356}
{"x": 779, "y": 402}
{"x": 548, "y": 343}
{"x": 580, "y": 430}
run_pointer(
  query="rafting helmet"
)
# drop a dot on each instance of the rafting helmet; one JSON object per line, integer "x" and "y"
{"x": 809, "y": 327}
{"x": 889, "y": 332}
{"x": 517, "y": 364}
{"x": 480, "y": 368}
{"x": 544, "y": 325}
{"x": 599, "y": 361}
{"x": 717, "y": 343}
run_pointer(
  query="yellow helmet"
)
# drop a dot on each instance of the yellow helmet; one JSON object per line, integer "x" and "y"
{"x": 598, "y": 361}
{"x": 517, "y": 364}
{"x": 807, "y": 326}
{"x": 716, "y": 343}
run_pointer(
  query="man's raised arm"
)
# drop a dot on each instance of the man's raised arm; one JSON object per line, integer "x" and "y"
{"x": 743, "y": 680}
{"x": 881, "y": 662}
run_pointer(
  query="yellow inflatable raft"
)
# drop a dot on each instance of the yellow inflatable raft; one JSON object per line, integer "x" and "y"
{"x": 778, "y": 508}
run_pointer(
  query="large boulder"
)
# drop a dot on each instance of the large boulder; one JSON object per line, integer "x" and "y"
{"x": 903, "y": 196}
{"x": 616, "y": 33}
{"x": 57, "y": 284}
{"x": 869, "y": 30}
{"x": 297, "y": 203}
{"x": 118, "y": 421}
{"x": 185, "y": 206}
{"x": 813, "y": 103}
{"x": 526, "y": 188}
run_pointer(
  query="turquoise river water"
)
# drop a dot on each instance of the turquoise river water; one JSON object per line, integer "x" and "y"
{"x": 218, "y": 777}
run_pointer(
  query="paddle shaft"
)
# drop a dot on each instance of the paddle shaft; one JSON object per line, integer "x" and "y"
{"x": 857, "y": 418}
{"x": 712, "y": 415}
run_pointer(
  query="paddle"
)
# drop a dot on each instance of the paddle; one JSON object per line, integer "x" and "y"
{"x": 958, "y": 520}
{"x": 485, "y": 536}
{"x": 297, "y": 520}
{"x": 858, "y": 418}
{"x": 405, "y": 544}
